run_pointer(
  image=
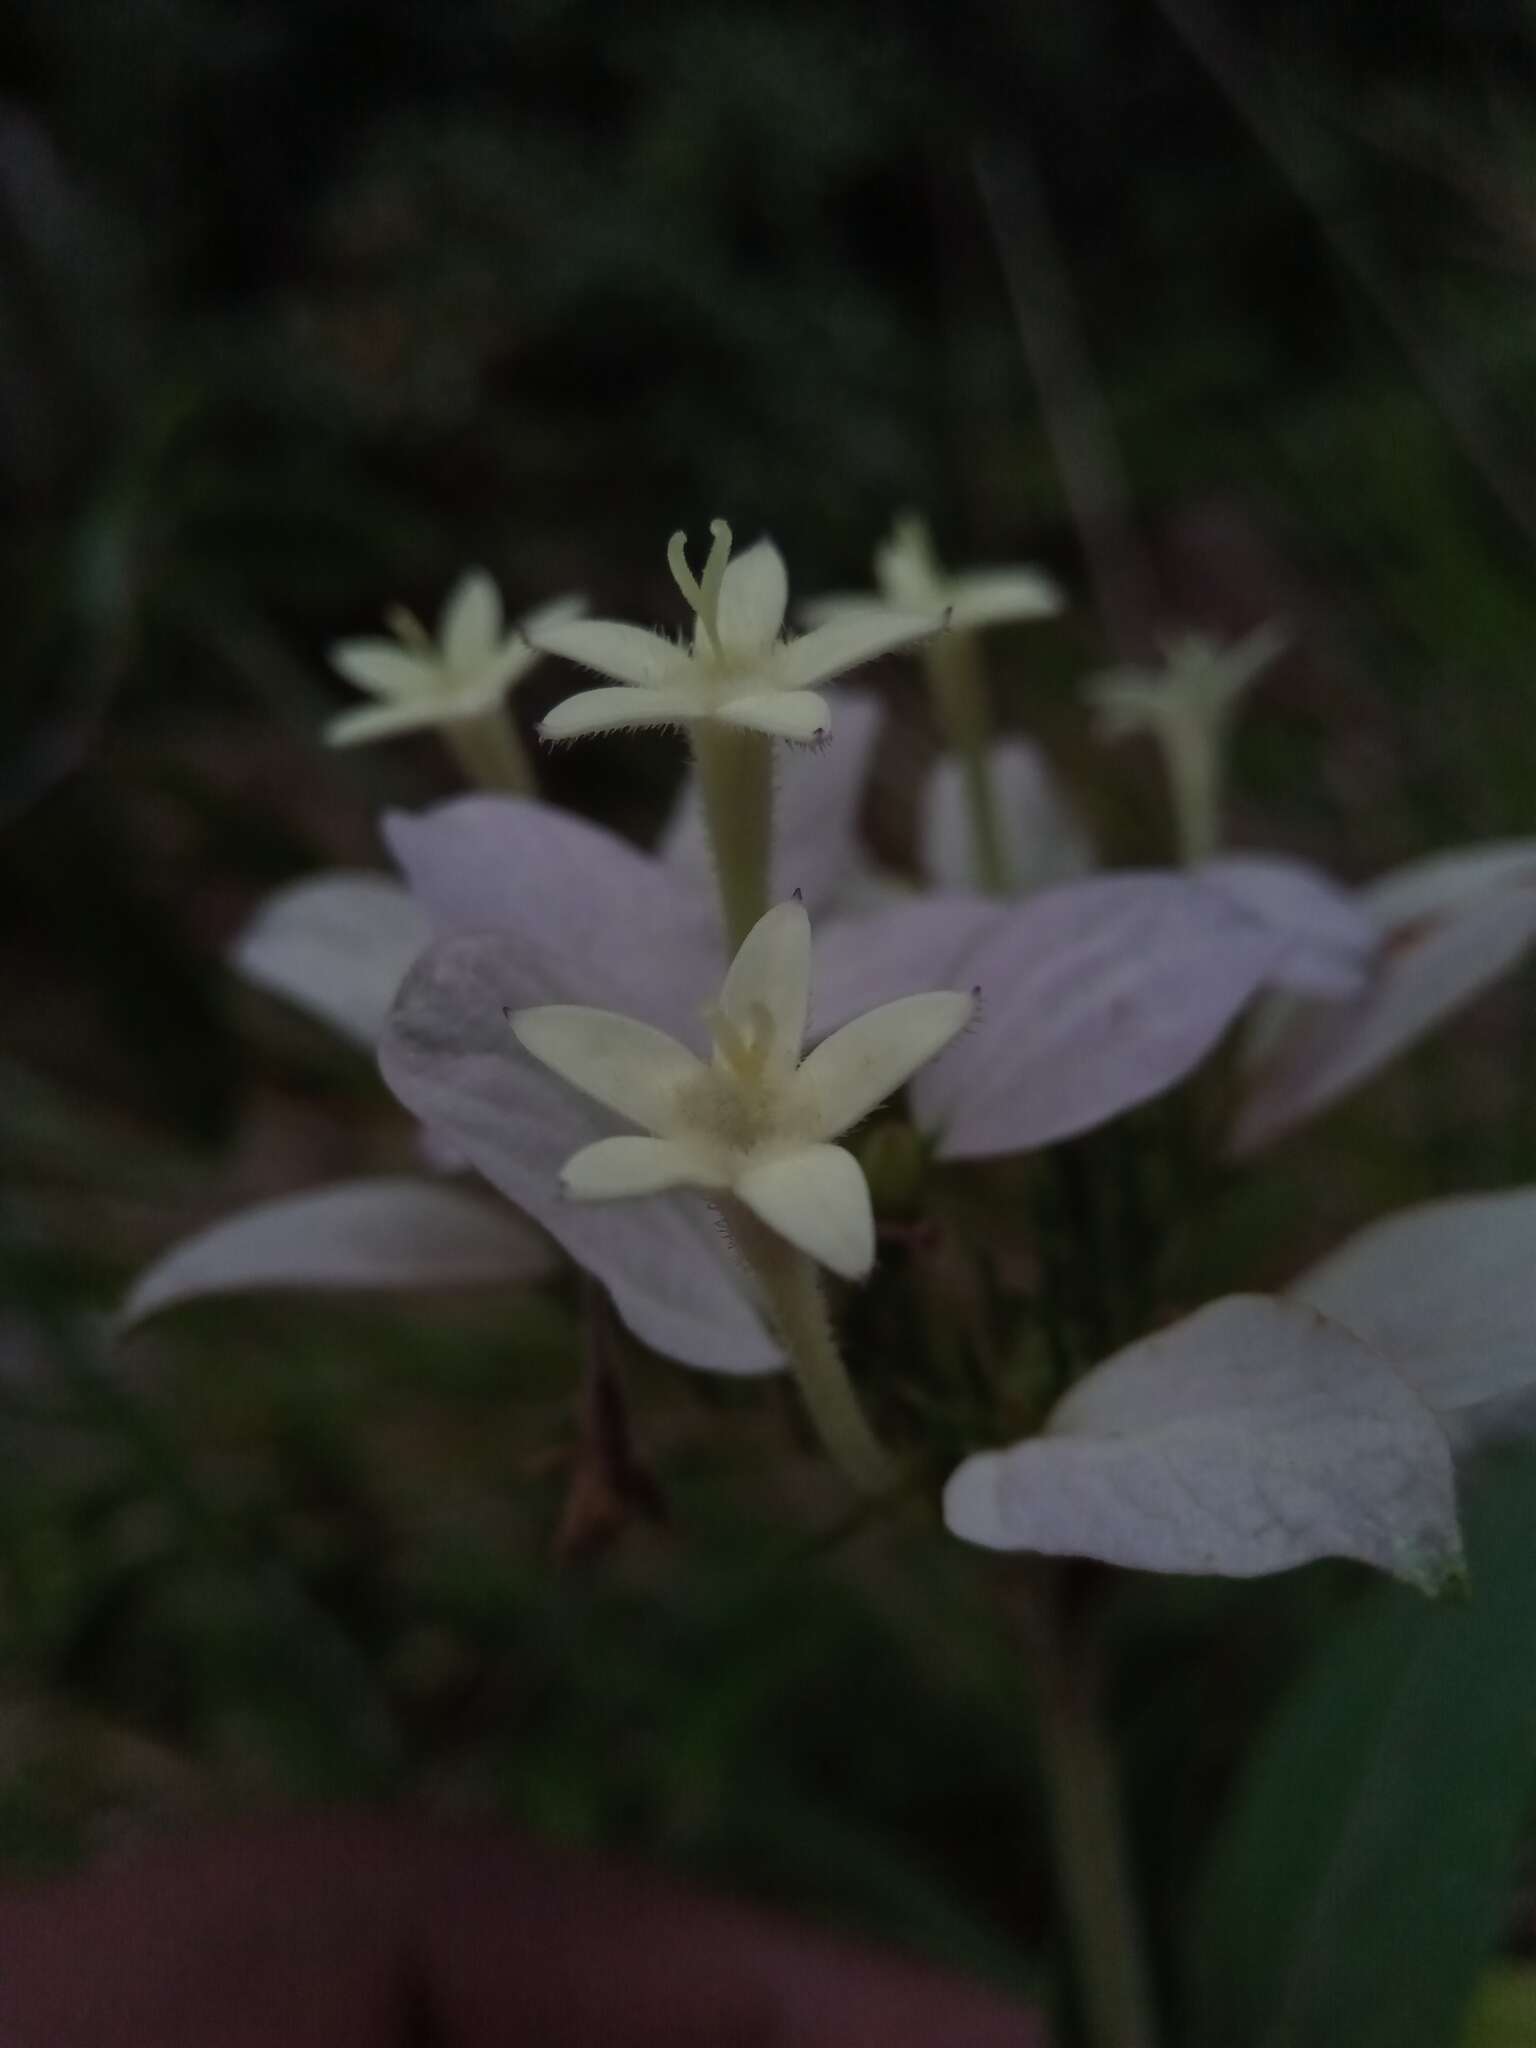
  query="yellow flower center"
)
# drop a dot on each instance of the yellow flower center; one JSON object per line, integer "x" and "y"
{"x": 741, "y": 1101}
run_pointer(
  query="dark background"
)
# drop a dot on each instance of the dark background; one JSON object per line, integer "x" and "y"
{"x": 305, "y": 307}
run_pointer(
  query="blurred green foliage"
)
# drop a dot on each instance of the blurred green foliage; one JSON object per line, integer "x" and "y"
{"x": 1363, "y": 1869}
{"x": 307, "y": 304}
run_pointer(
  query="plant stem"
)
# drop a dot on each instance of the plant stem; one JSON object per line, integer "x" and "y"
{"x": 793, "y": 1290}
{"x": 1091, "y": 1859}
{"x": 489, "y": 749}
{"x": 735, "y": 771}
{"x": 1194, "y": 757}
{"x": 958, "y": 693}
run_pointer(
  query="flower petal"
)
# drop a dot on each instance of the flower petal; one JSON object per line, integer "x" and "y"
{"x": 854, "y": 1070}
{"x": 470, "y": 625}
{"x": 1250, "y": 1437}
{"x": 993, "y": 597}
{"x": 782, "y": 714}
{"x": 847, "y": 641}
{"x": 1125, "y": 701}
{"x": 1445, "y": 882}
{"x": 380, "y": 1234}
{"x": 772, "y": 972}
{"x": 382, "y": 667}
{"x": 593, "y": 918}
{"x": 630, "y": 654}
{"x": 631, "y": 1068}
{"x": 385, "y": 721}
{"x": 818, "y": 1199}
{"x": 1094, "y": 997}
{"x": 1307, "y": 1056}
{"x": 504, "y": 666}
{"x": 1447, "y": 1292}
{"x": 753, "y": 594}
{"x": 449, "y": 1057}
{"x": 834, "y": 604}
{"x": 816, "y": 813}
{"x": 337, "y": 945}
{"x": 615, "y": 1167}
{"x": 1043, "y": 841}
{"x": 558, "y": 612}
{"x": 1331, "y": 938}
{"x": 622, "y": 711}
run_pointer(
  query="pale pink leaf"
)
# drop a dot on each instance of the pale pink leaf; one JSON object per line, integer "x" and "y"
{"x": 1094, "y": 997}
{"x": 338, "y": 946}
{"x": 1452, "y": 932}
{"x": 1250, "y": 1437}
{"x": 1330, "y": 938}
{"x": 384, "y": 1234}
{"x": 1447, "y": 1292}
{"x": 606, "y": 925}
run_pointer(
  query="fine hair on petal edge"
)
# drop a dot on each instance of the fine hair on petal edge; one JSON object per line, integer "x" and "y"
{"x": 728, "y": 1238}
{"x": 614, "y": 731}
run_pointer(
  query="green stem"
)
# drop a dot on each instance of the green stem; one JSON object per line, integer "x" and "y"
{"x": 490, "y": 751}
{"x": 1194, "y": 757}
{"x": 735, "y": 771}
{"x": 1091, "y": 1860}
{"x": 792, "y": 1287}
{"x": 958, "y": 692}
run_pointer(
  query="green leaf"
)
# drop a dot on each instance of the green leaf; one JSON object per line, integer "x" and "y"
{"x": 1360, "y": 1878}
{"x": 1503, "y": 2014}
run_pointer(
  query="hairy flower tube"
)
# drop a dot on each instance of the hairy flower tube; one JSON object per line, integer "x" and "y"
{"x": 1188, "y": 707}
{"x": 738, "y": 670}
{"x": 754, "y": 1121}
{"x": 463, "y": 674}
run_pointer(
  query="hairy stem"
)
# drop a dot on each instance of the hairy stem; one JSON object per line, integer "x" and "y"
{"x": 958, "y": 693}
{"x": 1091, "y": 1861}
{"x": 490, "y": 751}
{"x": 735, "y": 771}
{"x": 792, "y": 1287}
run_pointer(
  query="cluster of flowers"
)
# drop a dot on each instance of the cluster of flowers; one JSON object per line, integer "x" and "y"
{"x": 534, "y": 982}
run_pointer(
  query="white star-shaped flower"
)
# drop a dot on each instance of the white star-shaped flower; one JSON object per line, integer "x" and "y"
{"x": 1187, "y": 707}
{"x": 738, "y": 669}
{"x": 1199, "y": 686}
{"x": 755, "y": 1120}
{"x": 909, "y": 576}
{"x": 462, "y": 674}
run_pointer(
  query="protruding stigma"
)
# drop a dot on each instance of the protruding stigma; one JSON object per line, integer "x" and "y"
{"x": 703, "y": 595}
{"x": 744, "y": 1052}
{"x": 408, "y": 629}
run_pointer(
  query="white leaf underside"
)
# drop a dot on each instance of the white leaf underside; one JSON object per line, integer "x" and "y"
{"x": 1250, "y": 1437}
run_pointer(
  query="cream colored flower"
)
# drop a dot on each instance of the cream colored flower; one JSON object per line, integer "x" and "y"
{"x": 1199, "y": 686}
{"x": 755, "y": 1120}
{"x": 1187, "y": 707}
{"x": 738, "y": 669}
{"x": 908, "y": 574}
{"x": 462, "y": 674}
